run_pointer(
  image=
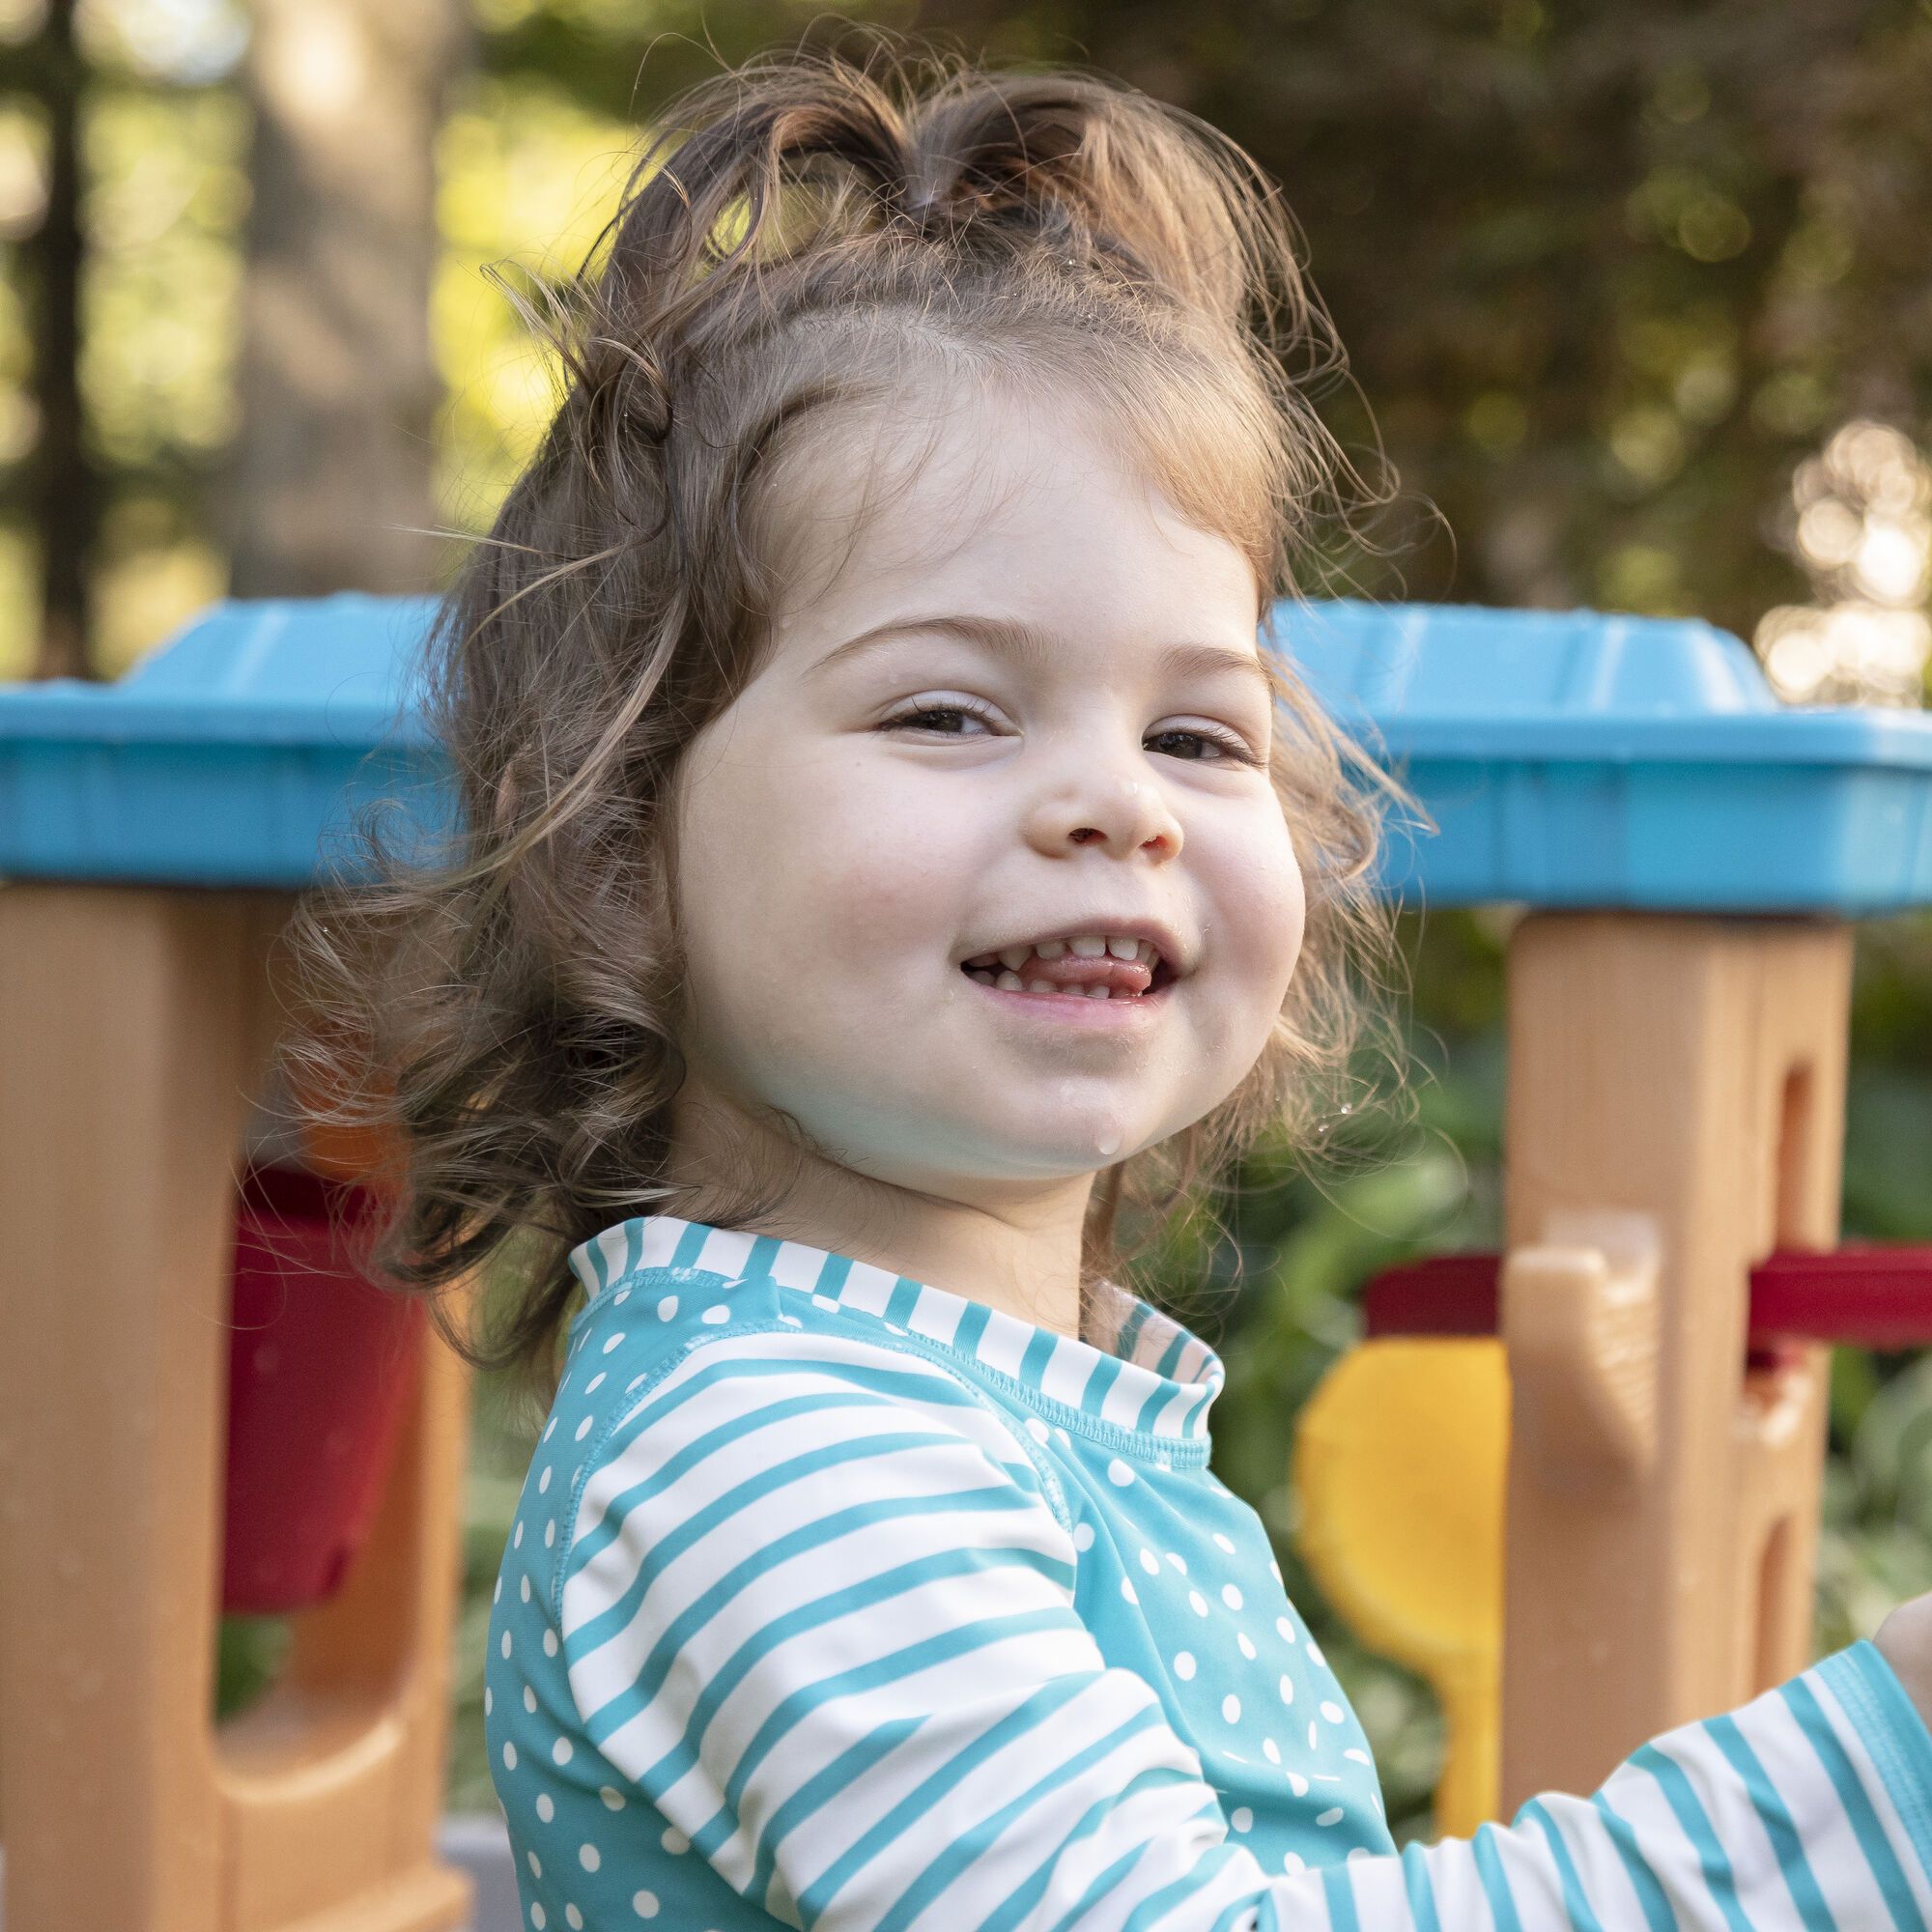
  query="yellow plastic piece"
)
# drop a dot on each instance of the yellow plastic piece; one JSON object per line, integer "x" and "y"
{"x": 1400, "y": 1471}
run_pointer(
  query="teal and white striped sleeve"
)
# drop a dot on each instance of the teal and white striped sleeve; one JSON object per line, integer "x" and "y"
{"x": 818, "y": 1603}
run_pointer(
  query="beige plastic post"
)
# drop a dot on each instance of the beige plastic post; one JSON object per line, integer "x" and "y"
{"x": 132, "y": 1028}
{"x": 1675, "y": 1112}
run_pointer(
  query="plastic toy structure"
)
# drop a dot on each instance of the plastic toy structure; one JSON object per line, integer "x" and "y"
{"x": 1647, "y": 1420}
{"x": 199, "y": 1411}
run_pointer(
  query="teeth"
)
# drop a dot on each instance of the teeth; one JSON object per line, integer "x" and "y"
{"x": 1002, "y": 969}
{"x": 1089, "y": 946}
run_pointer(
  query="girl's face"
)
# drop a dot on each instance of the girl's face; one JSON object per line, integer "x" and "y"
{"x": 1017, "y": 710}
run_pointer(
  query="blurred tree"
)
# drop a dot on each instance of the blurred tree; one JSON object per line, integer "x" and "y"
{"x": 64, "y": 480}
{"x": 333, "y": 477}
{"x": 1607, "y": 281}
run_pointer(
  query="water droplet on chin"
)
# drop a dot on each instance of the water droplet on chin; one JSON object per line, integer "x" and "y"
{"x": 1107, "y": 1145}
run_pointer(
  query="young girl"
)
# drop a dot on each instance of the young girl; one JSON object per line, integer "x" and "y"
{"x": 860, "y": 690}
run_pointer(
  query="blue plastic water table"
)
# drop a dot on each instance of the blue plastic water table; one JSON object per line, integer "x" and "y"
{"x": 1568, "y": 758}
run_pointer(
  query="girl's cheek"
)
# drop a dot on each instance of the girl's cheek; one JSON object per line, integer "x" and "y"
{"x": 895, "y": 856}
{"x": 1262, "y": 906}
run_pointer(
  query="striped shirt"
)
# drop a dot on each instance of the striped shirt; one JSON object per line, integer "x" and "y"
{"x": 840, "y": 1599}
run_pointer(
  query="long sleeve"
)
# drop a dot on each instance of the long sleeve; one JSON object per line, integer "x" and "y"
{"x": 818, "y": 1603}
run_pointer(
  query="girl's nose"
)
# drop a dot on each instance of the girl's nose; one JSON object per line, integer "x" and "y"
{"x": 1124, "y": 814}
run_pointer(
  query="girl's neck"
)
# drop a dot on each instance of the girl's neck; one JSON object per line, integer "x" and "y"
{"x": 1019, "y": 1253}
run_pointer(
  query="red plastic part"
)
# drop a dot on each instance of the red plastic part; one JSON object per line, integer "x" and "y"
{"x": 322, "y": 1366}
{"x": 1445, "y": 1294}
{"x": 1878, "y": 1297}
{"x": 1864, "y": 1293}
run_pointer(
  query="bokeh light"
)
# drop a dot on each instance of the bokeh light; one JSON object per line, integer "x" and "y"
{"x": 189, "y": 43}
{"x": 1862, "y": 526}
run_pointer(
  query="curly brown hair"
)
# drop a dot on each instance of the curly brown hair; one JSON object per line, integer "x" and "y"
{"x": 808, "y": 235}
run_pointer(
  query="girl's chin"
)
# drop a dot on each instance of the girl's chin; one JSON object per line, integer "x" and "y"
{"x": 980, "y": 1160}
{"x": 1026, "y": 1154}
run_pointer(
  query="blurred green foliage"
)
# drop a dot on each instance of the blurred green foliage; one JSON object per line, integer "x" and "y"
{"x": 1604, "y": 276}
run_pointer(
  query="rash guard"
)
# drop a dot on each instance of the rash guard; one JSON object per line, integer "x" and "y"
{"x": 844, "y": 1600}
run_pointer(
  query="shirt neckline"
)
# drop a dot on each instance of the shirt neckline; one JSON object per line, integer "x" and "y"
{"x": 1146, "y": 1372}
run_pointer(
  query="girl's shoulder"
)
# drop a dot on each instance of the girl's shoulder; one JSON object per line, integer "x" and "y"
{"x": 648, "y": 1341}
{"x": 633, "y": 1334}
{"x": 657, "y": 1311}
{"x": 635, "y": 1330}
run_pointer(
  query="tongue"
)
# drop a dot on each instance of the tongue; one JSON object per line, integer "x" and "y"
{"x": 1070, "y": 970}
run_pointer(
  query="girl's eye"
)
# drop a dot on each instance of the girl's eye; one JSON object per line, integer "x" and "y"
{"x": 944, "y": 721}
{"x": 1177, "y": 742}
{"x": 959, "y": 719}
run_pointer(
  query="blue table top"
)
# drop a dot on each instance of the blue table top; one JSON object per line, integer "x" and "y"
{"x": 1568, "y": 759}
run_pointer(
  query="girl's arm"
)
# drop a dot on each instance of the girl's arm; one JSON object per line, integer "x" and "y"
{"x": 818, "y": 1604}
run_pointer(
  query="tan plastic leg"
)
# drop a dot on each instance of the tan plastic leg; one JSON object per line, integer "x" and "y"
{"x": 132, "y": 1023}
{"x": 1675, "y": 1111}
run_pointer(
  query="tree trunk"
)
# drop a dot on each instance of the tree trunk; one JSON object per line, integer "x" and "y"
{"x": 66, "y": 488}
{"x": 331, "y": 482}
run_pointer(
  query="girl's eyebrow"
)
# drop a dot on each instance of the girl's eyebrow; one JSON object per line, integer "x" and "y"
{"x": 1030, "y": 648}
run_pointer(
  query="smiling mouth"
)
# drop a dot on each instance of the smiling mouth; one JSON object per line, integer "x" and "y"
{"x": 1092, "y": 967}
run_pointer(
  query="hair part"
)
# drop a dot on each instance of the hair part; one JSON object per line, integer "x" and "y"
{"x": 807, "y": 240}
